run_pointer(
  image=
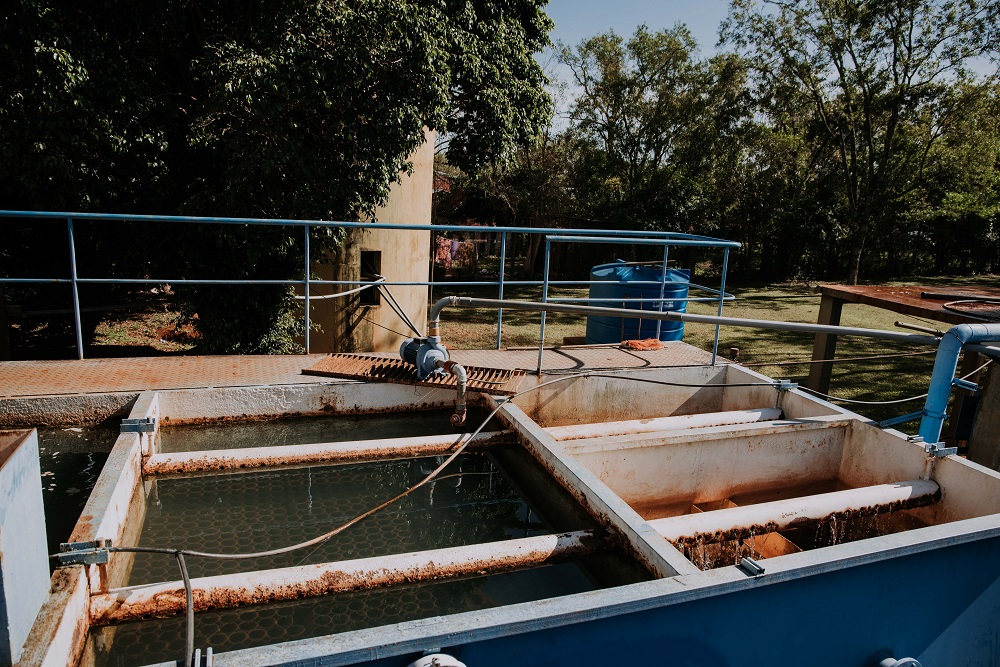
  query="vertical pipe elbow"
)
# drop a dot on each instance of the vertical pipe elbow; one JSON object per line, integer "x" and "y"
{"x": 945, "y": 364}
{"x": 461, "y": 380}
{"x": 434, "y": 320}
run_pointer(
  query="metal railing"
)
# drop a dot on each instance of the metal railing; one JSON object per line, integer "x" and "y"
{"x": 550, "y": 236}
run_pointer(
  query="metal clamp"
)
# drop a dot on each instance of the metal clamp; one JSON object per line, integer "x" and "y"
{"x": 142, "y": 425}
{"x": 94, "y": 552}
{"x": 965, "y": 384}
{"x": 939, "y": 450}
{"x": 751, "y": 567}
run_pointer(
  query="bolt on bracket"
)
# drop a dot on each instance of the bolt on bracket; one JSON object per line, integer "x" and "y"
{"x": 143, "y": 425}
{"x": 939, "y": 450}
{"x": 751, "y": 567}
{"x": 965, "y": 384}
{"x": 94, "y": 552}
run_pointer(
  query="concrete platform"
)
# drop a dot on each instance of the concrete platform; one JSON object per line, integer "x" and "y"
{"x": 107, "y": 376}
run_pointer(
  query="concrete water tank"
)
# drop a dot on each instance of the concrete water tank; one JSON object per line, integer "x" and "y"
{"x": 618, "y": 282}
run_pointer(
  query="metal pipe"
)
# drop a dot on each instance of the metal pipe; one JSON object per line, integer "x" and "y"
{"x": 461, "y": 378}
{"x": 545, "y": 297}
{"x": 943, "y": 374}
{"x": 695, "y": 242}
{"x": 291, "y": 583}
{"x": 77, "y": 322}
{"x": 610, "y": 234}
{"x": 739, "y": 522}
{"x": 306, "y": 290}
{"x": 389, "y": 283}
{"x": 635, "y": 426}
{"x": 987, "y": 350}
{"x": 804, "y": 327}
{"x": 317, "y": 453}
{"x": 722, "y": 292}
{"x": 503, "y": 264}
{"x": 663, "y": 288}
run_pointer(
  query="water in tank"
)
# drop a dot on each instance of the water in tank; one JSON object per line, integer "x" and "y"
{"x": 618, "y": 281}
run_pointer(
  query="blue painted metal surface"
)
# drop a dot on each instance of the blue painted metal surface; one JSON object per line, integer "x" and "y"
{"x": 617, "y": 284}
{"x": 943, "y": 375}
{"x": 937, "y": 601}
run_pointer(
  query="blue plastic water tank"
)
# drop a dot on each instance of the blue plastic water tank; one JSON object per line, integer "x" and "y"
{"x": 616, "y": 281}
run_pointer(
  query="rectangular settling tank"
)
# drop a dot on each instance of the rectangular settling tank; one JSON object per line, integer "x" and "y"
{"x": 485, "y": 496}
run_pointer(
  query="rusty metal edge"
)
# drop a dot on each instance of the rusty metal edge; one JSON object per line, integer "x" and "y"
{"x": 291, "y": 583}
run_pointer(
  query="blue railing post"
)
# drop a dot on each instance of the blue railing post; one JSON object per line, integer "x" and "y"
{"x": 306, "y": 290}
{"x": 663, "y": 288}
{"x": 77, "y": 324}
{"x": 503, "y": 262}
{"x": 545, "y": 299}
{"x": 722, "y": 300}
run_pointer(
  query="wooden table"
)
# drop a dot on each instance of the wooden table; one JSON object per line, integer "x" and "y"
{"x": 984, "y": 446}
{"x": 900, "y": 299}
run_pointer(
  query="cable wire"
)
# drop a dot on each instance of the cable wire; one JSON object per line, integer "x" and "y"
{"x": 900, "y": 400}
{"x": 188, "y": 610}
{"x": 339, "y": 294}
{"x": 396, "y": 308}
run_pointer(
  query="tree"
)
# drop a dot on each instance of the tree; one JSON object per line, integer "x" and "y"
{"x": 656, "y": 119}
{"x": 876, "y": 75}
{"x": 281, "y": 108}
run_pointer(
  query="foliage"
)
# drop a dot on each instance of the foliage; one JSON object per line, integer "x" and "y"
{"x": 655, "y": 122}
{"x": 281, "y": 108}
{"x": 875, "y": 78}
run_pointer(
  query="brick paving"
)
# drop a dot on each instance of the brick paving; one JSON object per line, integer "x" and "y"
{"x": 98, "y": 376}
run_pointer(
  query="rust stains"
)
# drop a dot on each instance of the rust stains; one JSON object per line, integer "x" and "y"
{"x": 251, "y": 588}
{"x": 689, "y": 542}
{"x": 261, "y": 457}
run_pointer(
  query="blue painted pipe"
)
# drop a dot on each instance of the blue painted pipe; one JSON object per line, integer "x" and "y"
{"x": 943, "y": 375}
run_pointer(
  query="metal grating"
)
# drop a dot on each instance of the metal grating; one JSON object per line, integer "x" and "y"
{"x": 389, "y": 369}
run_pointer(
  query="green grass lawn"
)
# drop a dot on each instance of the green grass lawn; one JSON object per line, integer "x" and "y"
{"x": 778, "y": 354}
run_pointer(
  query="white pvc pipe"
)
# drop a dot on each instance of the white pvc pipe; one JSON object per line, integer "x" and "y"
{"x": 319, "y": 453}
{"x": 635, "y": 426}
{"x": 762, "y": 518}
{"x": 290, "y": 583}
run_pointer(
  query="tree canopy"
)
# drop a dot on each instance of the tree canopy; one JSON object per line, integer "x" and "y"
{"x": 835, "y": 139}
{"x": 278, "y": 108}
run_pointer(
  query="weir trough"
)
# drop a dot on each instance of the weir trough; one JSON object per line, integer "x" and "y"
{"x": 673, "y": 513}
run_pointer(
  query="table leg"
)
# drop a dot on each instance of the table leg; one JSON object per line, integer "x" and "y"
{"x": 824, "y": 345}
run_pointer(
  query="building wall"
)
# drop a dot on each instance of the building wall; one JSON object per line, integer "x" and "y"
{"x": 349, "y": 326}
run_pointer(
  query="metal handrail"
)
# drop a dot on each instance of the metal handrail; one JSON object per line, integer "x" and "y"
{"x": 627, "y": 237}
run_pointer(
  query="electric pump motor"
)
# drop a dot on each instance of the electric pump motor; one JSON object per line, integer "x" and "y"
{"x": 424, "y": 353}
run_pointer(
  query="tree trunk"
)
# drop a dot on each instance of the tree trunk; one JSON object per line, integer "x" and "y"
{"x": 854, "y": 263}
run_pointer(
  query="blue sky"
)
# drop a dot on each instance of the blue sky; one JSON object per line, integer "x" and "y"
{"x": 578, "y": 19}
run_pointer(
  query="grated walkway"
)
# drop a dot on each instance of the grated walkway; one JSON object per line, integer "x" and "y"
{"x": 101, "y": 376}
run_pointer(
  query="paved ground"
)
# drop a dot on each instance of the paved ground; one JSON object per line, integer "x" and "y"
{"x": 97, "y": 376}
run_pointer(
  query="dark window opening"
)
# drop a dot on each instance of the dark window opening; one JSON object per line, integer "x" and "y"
{"x": 371, "y": 269}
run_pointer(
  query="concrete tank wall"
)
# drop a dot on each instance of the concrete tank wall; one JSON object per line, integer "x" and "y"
{"x": 347, "y": 324}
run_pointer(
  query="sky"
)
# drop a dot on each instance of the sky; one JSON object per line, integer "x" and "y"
{"x": 578, "y": 19}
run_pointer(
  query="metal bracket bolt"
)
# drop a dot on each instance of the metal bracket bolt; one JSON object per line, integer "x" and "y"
{"x": 939, "y": 450}
{"x": 965, "y": 384}
{"x": 143, "y": 425}
{"x": 83, "y": 553}
{"x": 751, "y": 567}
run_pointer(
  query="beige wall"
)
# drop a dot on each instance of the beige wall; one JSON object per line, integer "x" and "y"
{"x": 348, "y": 326}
